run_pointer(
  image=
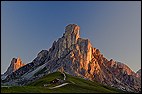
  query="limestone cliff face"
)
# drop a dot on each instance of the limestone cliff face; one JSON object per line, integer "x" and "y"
{"x": 78, "y": 51}
{"x": 15, "y": 65}
{"x": 71, "y": 35}
{"x": 76, "y": 56}
{"x": 116, "y": 67}
{"x": 18, "y": 64}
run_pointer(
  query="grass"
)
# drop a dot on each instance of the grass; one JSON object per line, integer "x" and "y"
{"x": 46, "y": 79}
{"x": 80, "y": 86}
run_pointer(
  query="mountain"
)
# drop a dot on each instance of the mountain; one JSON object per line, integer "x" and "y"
{"x": 76, "y": 56}
{"x": 15, "y": 65}
{"x": 139, "y": 73}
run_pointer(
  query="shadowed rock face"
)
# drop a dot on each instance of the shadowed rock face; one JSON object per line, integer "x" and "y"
{"x": 139, "y": 73}
{"x": 76, "y": 56}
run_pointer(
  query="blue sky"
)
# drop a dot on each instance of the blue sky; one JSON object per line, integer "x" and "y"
{"x": 113, "y": 27}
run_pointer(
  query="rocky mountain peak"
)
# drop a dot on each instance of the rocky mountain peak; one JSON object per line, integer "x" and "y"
{"x": 76, "y": 56}
{"x": 71, "y": 33}
{"x": 14, "y": 60}
{"x": 18, "y": 64}
{"x": 15, "y": 65}
{"x": 72, "y": 29}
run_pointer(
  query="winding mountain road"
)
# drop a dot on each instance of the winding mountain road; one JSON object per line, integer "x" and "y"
{"x": 61, "y": 84}
{"x": 6, "y": 86}
{"x": 64, "y": 76}
{"x": 58, "y": 86}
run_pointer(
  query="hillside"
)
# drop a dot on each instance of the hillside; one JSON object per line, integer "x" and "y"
{"x": 76, "y": 85}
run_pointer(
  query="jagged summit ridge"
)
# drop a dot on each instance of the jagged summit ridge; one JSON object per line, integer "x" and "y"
{"x": 77, "y": 56}
{"x": 72, "y": 28}
{"x": 71, "y": 34}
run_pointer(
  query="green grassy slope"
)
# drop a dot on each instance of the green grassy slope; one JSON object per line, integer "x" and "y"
{"x": 76, "y": 85}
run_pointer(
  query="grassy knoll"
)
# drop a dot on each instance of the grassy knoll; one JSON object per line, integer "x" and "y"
{"x": 76, "y": 85}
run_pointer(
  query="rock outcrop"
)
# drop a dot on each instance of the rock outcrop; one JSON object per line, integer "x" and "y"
{"x": 138, "y": 73}
{"x": 76, "y": 56}
{"x": 15, "y": 65}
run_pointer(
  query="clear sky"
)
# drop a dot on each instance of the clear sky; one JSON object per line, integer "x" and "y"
{"x": 113, "y": 27}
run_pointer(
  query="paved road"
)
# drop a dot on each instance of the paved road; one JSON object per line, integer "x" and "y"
{"x": 64, "y": 76}
{"x": 61, "y": 84}
{"x": 6, "y": 86}
{"x": 58, "y": 86}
